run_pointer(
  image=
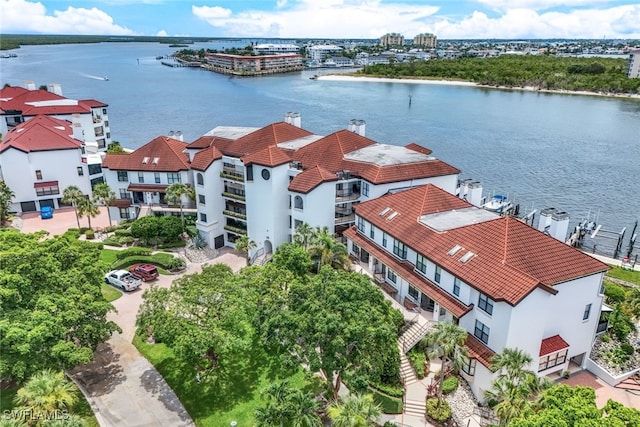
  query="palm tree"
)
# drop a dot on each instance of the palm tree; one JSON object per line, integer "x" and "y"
{"x": 244, "y": 244}
{"x": 447, "y": 341}
{"x": 176, "y": 193}
{"x": 326, "y": 250}
{"x": 103, "y": 195}
{"x": 72, "y": 196}
{"x": 47, "y": 391}
{"x": 304, "y": 235}
{"x": 633, "y": 301}
{"x": 304, "y": 409}
{"x": 6, "y": 195}
{"x": 355, "y": 410}
{"x": 87, "y": 207}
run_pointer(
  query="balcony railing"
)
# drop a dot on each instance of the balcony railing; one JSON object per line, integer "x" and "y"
{"x": 345, "y": 219}
{"x": 235, "y": 230}
{"x": 235, "y": 214}
{"x": 346, "y": 195}
{"x": 234, "y": 196}
{"x": 234, "y": 176}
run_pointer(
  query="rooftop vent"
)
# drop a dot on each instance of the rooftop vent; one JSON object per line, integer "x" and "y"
{"x": 145, "y": 160}
{"x": 393, "y": 215}
{"x": 454, "y": 250}
{"x": 466, "y": 257}
{"x": 384, "y": 211}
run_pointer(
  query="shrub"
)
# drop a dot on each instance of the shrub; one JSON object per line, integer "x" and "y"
{"x": 122, "y": 232}
{"x": 389, "y": 390}
{"x": 627, "y": 348}
{"x": 449, "y": 385}
{"x": 84, "y": 229}
{"x": 615, "y": 294}
{"x": 417, "y": 358}
{"x": 621, "y": 324}
{"x": 72, "y": 234}
{"x": 171, "y": 245}
{"x": 388, "y": 404}
{"x": 606, "y": 338}
{"x": 90, "y": 234}
{"x": 135, "y": 251}
{"x": 112, "y": 241}
{"x": 439, "y": 411}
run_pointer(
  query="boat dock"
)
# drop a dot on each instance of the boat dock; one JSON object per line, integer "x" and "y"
{"x": 176, "y": 63}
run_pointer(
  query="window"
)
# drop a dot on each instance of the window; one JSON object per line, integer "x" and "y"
{"x": 360, "y": 224}
{"x": 481, "y": 332}
{"x": 249, "y": 170}
{"x": 438, "y": 274}
{"x": 421, "y": 264}
{"x": 587, "y": 312}
{"x": 173, "y": 178}
{"x": 365, "y": 188}
{"x": 47, "y": 191}
{"x": 553, "y": 359}
{"x": 399, "y": 249}
{"x": 124, "y": 213}
{"x": 104, "y": 111}
{"x": 95, "y": 169}
{"x": 469, "y": 366}
{"x": 485, "y": 303}
{"x": 384, "y": 239}
{"x": 38, "y": 174}
{"x": 372, "y": 232}
{"x": 199, "y": 179}
{"x": 123, "y": 176}
{"x": 156, "y": 177}
{"x": 456, "y": 287}
{"x": 413, "y": 292}
{"x": 141, "y": 177}
{"x": 391, "y": 276}
{"x": 203, "y": 217}
{"x": 298, "y": 203}
{"x": 123, "y": 194}
{"x": 106, "y": 124}
{"x": 201, "y": 199}
{"x": 80, "y": 171}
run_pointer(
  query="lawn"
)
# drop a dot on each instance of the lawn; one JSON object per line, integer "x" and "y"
{"x": 110, "y": 293}
{"x": 233, "y": 395}
{"x": 108, "y": 256}
{"x": 626, "y": 275}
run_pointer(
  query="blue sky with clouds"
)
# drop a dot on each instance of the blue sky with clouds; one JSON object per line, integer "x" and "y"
{"x": 448, "y": 19}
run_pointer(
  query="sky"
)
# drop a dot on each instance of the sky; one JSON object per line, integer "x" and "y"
{"x": 326, "y": 19}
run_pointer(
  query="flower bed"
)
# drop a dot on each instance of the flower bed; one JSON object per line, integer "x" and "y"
{"x": 610, "y": 353}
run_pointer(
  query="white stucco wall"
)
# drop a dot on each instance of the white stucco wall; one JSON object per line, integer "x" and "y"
{"x": 212, "y": 188}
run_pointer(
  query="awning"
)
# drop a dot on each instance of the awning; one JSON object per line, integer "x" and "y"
{"x": 552, "y": 345}
{"x": 147, "y": 188}
{"x": 45, "y": 184}
{"x": 121, "y": 203}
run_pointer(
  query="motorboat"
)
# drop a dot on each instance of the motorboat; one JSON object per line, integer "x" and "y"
{"x": 498, "y": 203}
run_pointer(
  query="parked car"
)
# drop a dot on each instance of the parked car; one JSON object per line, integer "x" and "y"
{"x": 144, "y": 272}
{"x": 122, "y": 279}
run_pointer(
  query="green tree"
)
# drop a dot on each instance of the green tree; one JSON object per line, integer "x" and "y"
{"x": 341, "y": 326}
{"x": 6, "y": 196}
{"x": 115, "y": 148}
{"x": 304, "y": 235}
{"x": 203, "y": 317}
{"x": 87, "y": 207}
{"x": 633, "y": 301}
{"x": 293, "y": 257}
{"x": 104, "y": 195}
{"x": 326, "y": 250}
{"x": 45, "y": 392}
{"x": 287, "y": 406}
{"x": 52, "y": 313}
{"x": 176, "y": 194}
{"x": 73, "y": 196}
{"x": 243, "y": 245}
{"x": 354, "y": 411}
{"x": 447, "y": 342}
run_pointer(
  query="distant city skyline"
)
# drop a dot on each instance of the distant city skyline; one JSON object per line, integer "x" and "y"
{"x": 326, "y": 19}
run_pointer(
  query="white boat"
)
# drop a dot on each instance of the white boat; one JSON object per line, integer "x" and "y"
{"x": 498, "y": 203}
{"x": 105, "y": 78}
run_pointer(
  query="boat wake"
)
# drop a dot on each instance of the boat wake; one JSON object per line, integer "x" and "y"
{"x": 89, "y": 76}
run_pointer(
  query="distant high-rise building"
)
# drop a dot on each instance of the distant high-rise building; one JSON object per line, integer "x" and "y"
{"x": 633, "y": 72}
{"x": 425, "y": 40}
{"x": 392, "y": 39}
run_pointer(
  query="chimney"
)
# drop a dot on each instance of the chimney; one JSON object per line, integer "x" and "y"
{"x": 293, "y": 119}
{"x": 29, "y": 84}
{"x": 559, "y": 226}
{"x": 179, "y": 136}
{"x": 545, "y": 219}
{"x": 464, "y": 188}
{"x": 474, "y": 193}
{"x": 357, "y": 126}
{"x": 55, "y": 88}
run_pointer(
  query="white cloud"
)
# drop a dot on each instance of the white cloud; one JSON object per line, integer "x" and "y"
{"x": 281, "y": 3}
{"x": 162, "y": 33}
{"x": 209, "y": 13}
{"x": 536, "y": 4}
{"x": 24, "y": 16}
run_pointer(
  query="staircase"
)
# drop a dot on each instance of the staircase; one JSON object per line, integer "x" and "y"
{"x": 631, "y": 384}
{"x": 413, "y": 335}
{"x": 415, "y": 408}
{"x": 407, "y": 374}
{"x": 407, "y": 340}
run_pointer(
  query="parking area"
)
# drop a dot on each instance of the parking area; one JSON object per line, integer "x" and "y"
{"x": 62, "y": 220}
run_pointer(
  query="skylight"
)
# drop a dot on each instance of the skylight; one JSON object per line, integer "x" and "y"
{"x": 393, "y": 215}
{"x": 454, "y": 250}
{"x": 466, "y": 257}
{"x": 155, "y": 160}
{"x": 384, "y": 211}
{"x": 145, "y": 160}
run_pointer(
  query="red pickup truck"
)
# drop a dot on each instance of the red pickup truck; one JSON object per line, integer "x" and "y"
{"x": 144, "y": 272}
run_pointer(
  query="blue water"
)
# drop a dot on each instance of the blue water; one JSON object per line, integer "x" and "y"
{"x": 577, "y": 153}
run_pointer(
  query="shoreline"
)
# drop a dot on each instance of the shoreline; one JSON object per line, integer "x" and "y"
{"x": 370, "y": 79}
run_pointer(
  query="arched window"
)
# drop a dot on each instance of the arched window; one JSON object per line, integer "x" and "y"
{"x": 200, "y": 179}
{"x": 297, "y": 202}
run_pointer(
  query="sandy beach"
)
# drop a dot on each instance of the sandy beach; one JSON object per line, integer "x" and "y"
{"x": 343, "y": 77}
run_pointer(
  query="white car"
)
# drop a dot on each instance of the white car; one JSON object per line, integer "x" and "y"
{"x": 122, "y": 279}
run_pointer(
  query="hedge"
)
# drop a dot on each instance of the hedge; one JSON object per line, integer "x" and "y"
{"x": 171, "y": 245}
{"x": 162, "y": 260}
{"x": 449, "y": 385}
{"x": 389, "y": 390}
{"x": 135, "y": 251}
{"x": 438, "y": 411}
{"x": 389, "y": 404}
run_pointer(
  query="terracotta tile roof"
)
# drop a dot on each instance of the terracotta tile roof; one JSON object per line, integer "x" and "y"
{"x": 203, "y": 158}
{"x": 42, "y": 133}
{"x": 35, "y": 102}
{"x": 207, "y": 141}
{"x": 329, "y": 151}
{"x": 167, "y": 151}
{"x": 309, "y": 179}
{"x": 92, "y": 103}
{"x": 511, "y": 259}
{"x": 406, "y": 270}
{"x": 270, "y": 156}
{"x": 404, "y": 172}
{"x": 479, "y": 351}
{"x": 552, "y": 345}
{"x": 262, "y": 138}
{"x": 419, "y": 148}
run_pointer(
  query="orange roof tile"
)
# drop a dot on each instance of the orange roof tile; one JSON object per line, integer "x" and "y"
{"x": 27, "y": 102}
{"x": 270, "y": 156}
{"x": 552, "y": 345}
{"x": 168, "y": 152}
{"x": 479, "y": 351}
{"x": 203, "y": 158}
{"x": 329, "y": 151}
{"x": 207, "y": 141}
{"x": 42, "y": 133}
{"x": 511, "y": 259}
{"x": 419, "y": 148}
{"x": 262, "y": 138}
{"x": 309, "y": 179}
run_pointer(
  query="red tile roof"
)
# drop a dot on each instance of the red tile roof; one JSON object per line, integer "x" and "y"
{"x": 419, "y": 148}
{"x": 552, "y": 345}
{"x": 511, "y": 259}
{"x": 207, "y": 141}
{"x": 479, "y": 351}
{"x": 270, "y": 156}
{"x": 262, "y": 138}
{"x": 403, "y": 172}
{"x": 329, "y": 151}
{"x": 168, "y": 151}
{"x": 34, "y": 102}
{"x": 42, "y": 133}
{"x": 309, "y": 179}
{"x": 203, "y": 158}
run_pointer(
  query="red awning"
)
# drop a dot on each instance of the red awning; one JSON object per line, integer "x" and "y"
{"x": 45, "y": 184}
{"x": 552, "y": 344}
{"x": 148, "y": 188}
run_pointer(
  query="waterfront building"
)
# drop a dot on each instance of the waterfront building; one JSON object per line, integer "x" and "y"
{"x": 633, "y": 70}
{"x": 425, "y": 40}
{"x": 39, "y": 158}
{"x": 507, "y": 284}
{"x": 88, "y": 117}
{"x": 275, "y": 48}
{"x": 253, "y": 65}
{"x": 392, "y": 39}
{"x": 338, "y": 61}
{"x": 320, "y": 52}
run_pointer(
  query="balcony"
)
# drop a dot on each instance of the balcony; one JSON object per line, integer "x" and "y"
{"x": 235, "y": 214}
{"x": 345, "y": 219}
{"x": 97, "y": 119}
{"x": 346, "y": 195}
{"x": 235, "y": 195}
{"x": 232, "y": 174}
{"x": 236, "y": 230}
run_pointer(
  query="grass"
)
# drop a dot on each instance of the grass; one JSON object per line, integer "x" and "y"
{"x": 631, "y": 276}
{"x": 108, "y": 256}
{"x": 110, "y": 293}
{"x": 233, "y": 394}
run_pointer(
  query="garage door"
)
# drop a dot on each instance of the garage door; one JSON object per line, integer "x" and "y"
{"x": 47, "y": 202}
{"x": 28, "y": 206}
{"x": 219, "y": 241}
